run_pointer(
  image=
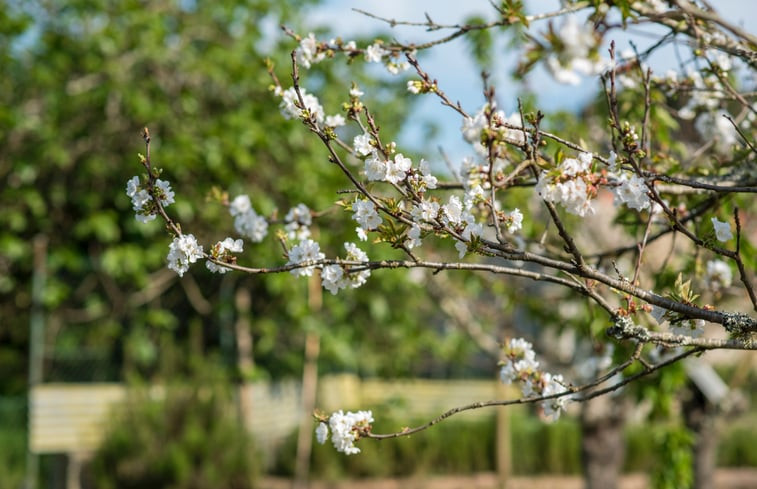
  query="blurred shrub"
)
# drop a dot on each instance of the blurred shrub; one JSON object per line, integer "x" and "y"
{"x": 456, "y": 447}
{"x": 735, "y": 447}
{"x": 12, "y": 441}
{"x": 737, "y": 442}
{"x": 541, "y": 448}
{"x": 460, "y": 447}
{"x": 188, "y": 438}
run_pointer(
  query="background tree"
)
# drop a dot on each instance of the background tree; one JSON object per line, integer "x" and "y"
{"x": 80, "y": 80}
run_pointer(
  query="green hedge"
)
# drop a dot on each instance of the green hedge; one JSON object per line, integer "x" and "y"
{"x": 12, "y": 441}
{"x": 190, "y": 439}
{"x": 460, "y": 447}
{"x": 455, "y": 447}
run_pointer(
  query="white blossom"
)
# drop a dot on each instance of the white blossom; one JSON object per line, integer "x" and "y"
{"x": 472, "y": 127}
{"x": 331, "y": 278}
{"x": 231, "y": 244}
{"x": 322, "y": 433}
{"x": 362, "y": 144}
{"x": 514, "y": 136}
{"x": 141, "y": 200}
{"x": 240, "y": 205}
{"x": 289, "y": 105}
{"x": 164, "y": 191}
{"x": 473, "y": 196}
{"x": 346, "y": 427}
{"x": 452, "y": 211}
{"x": 462, "y": 248}
{"x": 222, "y": 251}
{"x": 414, "y": 86}
{"x": 612, "y": 162}
{"x": 715, "y": 127}
{"x": 308, "y": 53}
{"x": 132, "y": 186}
{"x": 632, "y": 191}
{"x": 413, "y": 237}
{"x": 365, "y": 214}
{"x": 305, "y": 252}
{"x": 425, "y": 210}
{"x": 298, "y": 220}
{"x": 514, "y": 221}
{"x": 429, "y": 180}
{"x": 356, "y": 279}
{"x": 396, "y": 68}
{"x": 335, "y": 120}
{"x": 375, "y": 52}
{"x": 577, "y": 166}
{"x": 356, "y": 92}
{"x": 337, "y": 277}
{"x": 572, "y": 194}
{"x": 183, "y": 251}
{"x": 376, "y": 169}
{"x": 397, "y": 170}
{"x": 246, "y": 221}
{"x": 578, "y": 42}
{"x": 252, "y": 226}
{"x": 722, "y": 230}
{"x": 552, "y": 408}
{"x": 520, "y": 359}
{"x": 718, "y": 275}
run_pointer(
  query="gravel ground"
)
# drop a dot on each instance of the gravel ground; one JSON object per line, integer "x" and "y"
{"x": 742, "y": 478}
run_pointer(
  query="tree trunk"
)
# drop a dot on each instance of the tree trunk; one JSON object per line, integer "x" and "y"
{"x": 245, "y": 359}
{"x": 602, "y": 442}
{"x": 309, "y": 390}
{"x": 700, "y": 419}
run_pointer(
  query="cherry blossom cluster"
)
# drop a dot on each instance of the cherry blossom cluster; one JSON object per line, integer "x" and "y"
{"x": 292, "y": 108}
{"x": 571, "y": 184}
{"x": 247, "y": 222}
{"x": 311, "y": 51}
{"x": 307, "y": 253}
{"x": 336, "y": 277}
{"x": 425, "y": 213}
{"x": 222, "y": 252}
{"x": 182, "y": 252}
{"x": 346, "y": 429}
{"x": 520, "y": 365}
{"x": 298, "y": 221}
{"x": 575, "y": 51}
{"x": 142, "y": 202}
{"x": 492, "y": 127}
{"x": 718, "y": 275}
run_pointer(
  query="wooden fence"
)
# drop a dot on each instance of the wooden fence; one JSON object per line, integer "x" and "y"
{"x": 72, "y": 418}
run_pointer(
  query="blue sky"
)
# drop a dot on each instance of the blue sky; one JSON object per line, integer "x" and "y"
{"x": 460, "y": 79}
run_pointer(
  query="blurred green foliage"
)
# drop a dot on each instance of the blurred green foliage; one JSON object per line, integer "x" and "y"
{"x": 12, "y": 441}
{"x": 465, "y": 447}
{"x": 737, "y": 442}
{"x": 458, "y": 447}
{"x": 80, "y": 80}
{"x": 673, "y": 446}
{"x": 184, "y": 436}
